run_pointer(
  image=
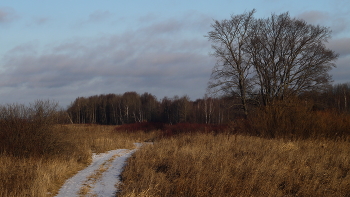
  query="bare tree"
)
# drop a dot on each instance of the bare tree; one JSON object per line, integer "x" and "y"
{"x": 289, "y": 56}
{"x": 278, "y": 56}
{"x": 231, "y": 73}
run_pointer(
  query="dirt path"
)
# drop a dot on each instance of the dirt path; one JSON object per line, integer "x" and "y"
{"x": 100, "y": 178}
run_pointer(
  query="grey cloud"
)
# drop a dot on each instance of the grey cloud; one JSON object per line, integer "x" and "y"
{"x": 148, "y": 18}
{"x": 314, "y": 17}
{"x": 7, "y": 15}
{"x": 28, "y": 48}
{"x": 200, "y": 21}
{"x": 98, "y": 16}
{"x": 193, "y": 21}
{"x": 40, "y": 20}
{"x": 168, "y": 26}
{"x": 111, "y": 67}
{"x": 94, "y": 18}
{"x": 132, "y": 61}
{"x": 342, "y": 72}
{"x": 340, "y": 45}
{"x": 164, "y": 57}
{"x": 340, "y": 25}
{"x": 338, "y": 21}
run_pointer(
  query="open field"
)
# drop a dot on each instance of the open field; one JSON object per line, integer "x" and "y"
{"x": 229, "y": 165}
{"x": 32, "y": 174}
{"x": 280, "y": 151}
{"x": 186, "y": 164}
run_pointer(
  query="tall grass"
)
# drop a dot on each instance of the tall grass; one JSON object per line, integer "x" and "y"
{"x": 37, "y": 156}
{"x": 235, "y": 165}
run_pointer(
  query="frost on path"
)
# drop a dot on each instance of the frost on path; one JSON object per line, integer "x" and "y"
{"x": 100, "y": 178}
{"x": 106, "y": 186}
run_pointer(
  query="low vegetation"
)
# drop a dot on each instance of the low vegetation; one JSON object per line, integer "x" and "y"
{"x": 37, "y": 156}
{"x": 289, "y": 149}
{"x": 200, "y": 164}
{"x": 295, "y": 120}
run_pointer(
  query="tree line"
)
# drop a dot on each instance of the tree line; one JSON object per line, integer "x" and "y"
{"x": 132, "y": 107}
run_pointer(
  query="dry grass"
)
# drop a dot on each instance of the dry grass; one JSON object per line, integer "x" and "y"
{"x": 36, "y": 175}
{"x": 228, "y": 165}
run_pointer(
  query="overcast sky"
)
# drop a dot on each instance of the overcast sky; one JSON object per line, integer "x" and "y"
{"x": 61, "y": 50}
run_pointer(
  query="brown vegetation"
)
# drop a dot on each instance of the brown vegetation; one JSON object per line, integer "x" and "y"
{"x": 235, "y": 165}
{"x": 288, "y": 149}
{"x": 37, "y": 174}
{"x": 298, "y": 120}
{"x": 37, "y": 156}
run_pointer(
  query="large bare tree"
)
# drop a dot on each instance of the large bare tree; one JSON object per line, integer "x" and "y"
{"x": 289, "y": 56}
{"x": 232, "y": 71}
{"x": 279, "y": 56}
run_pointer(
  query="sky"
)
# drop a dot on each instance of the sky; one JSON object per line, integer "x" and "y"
{"x": 60, "y": 50}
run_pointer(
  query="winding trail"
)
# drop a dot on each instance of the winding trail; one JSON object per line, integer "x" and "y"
{"x": 101, "y": 177}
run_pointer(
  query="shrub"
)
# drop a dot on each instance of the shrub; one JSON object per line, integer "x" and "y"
{"x": 26, "y": 131}
{"x": 297, "y": 120}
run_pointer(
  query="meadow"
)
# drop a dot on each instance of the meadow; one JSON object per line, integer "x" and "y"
{"x": 288, "y": 149}
{"x": 278, "y": 151}
{"x": 236, "y": 165}
{"x": 37, "y": 155}
{"x": 30, "y": 172}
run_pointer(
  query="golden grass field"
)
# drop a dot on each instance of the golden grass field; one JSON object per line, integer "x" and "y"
{"x": 43, "y": 176}
{"x": 236, "y": 165}
{"x": 298, "y": 153}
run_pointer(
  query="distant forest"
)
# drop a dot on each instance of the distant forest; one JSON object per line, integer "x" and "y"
{"x": 131, "y": 107}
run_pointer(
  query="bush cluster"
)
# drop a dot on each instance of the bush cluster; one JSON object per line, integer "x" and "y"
{"x": 27, "y": 131}
{"x": 296, "y": 120}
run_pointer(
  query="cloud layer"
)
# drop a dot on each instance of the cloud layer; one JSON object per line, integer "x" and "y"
{"x": 154, "y": 58}
{"x": 162, "y": 56}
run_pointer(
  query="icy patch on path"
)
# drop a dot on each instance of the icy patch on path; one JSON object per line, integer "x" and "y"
{"x": 106, "y": 186}
{"x": 112, "y": 163}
